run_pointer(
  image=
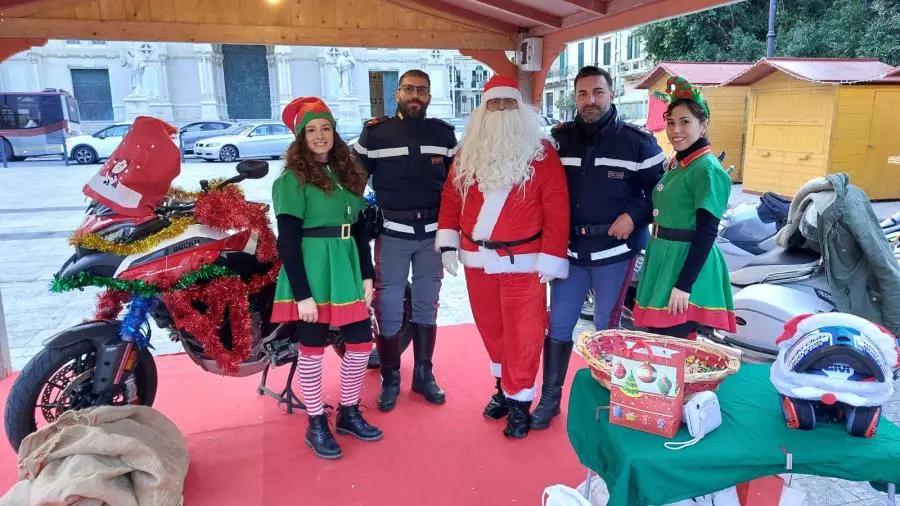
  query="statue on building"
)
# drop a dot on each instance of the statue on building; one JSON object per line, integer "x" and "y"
{"x": 344, "y": 62}
{"x": 136, "y": 61}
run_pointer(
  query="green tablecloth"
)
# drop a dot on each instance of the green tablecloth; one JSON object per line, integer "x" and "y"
{"x": 639, "y": 470}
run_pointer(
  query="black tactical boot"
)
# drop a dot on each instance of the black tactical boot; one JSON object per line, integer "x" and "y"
{"x": 351, "y": 422}
{"x": 496, "y": 408}
{"x": 320, "y": 439}
{"x": 389, "y": 354}
{"x": 423, "y": 379}
{"x": 518, "y": 420}
{"x": 556, "y": 362}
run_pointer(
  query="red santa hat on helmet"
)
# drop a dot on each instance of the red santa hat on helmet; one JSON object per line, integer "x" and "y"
{"x": 501, "y": 87}
{"x": 135, "y": 178}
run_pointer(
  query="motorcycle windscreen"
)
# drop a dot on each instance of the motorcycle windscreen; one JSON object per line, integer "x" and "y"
{"x": 137, "y": 175}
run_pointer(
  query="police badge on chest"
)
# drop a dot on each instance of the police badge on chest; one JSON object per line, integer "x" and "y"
{"x": 437, "y": 160}
{"x": 615, "y": 174}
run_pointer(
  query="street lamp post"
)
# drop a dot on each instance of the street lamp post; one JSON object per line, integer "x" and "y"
{"x": 770, "y": 37}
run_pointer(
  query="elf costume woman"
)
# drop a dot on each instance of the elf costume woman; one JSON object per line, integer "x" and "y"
{"x": 685, "y": 281}
{"x": 327, "y": 272}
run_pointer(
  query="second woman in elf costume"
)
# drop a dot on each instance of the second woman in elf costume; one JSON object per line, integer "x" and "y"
{"x": 326, "y": 278}
{"x": 685, "y": 281}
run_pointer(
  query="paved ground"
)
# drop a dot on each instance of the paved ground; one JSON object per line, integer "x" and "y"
{"x": 41, "y": 203}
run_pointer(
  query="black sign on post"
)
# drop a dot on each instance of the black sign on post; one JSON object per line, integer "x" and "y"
{"x": 3, "y": 154}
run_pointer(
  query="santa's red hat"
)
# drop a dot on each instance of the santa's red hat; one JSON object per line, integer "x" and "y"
{"x": 135, "y": 178}
{"x": 501, "y": 87}
{"x": 302, "y": 110}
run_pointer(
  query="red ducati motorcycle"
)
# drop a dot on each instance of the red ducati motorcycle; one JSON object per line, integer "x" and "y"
{"x": 97, "y": 363}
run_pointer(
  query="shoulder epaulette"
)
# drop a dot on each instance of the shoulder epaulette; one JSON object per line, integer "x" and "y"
{"x": 375, "y": 121}
{"x": 564, "y": 124}
{"x": 444, "y": 123}
{"x": 638, "y": 128}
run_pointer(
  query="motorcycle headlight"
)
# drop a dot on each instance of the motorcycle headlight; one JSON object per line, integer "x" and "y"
{"x": 117, "y": 233}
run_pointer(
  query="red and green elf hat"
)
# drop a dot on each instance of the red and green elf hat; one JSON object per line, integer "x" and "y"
{"x": 302, "y": 110}
{"x": 679, "y": 88}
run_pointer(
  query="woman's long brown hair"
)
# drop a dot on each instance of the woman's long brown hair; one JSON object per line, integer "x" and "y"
{"x": 302, "y": 162}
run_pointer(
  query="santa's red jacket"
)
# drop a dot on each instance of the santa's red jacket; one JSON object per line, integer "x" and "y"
{"x": 541, "y": 204}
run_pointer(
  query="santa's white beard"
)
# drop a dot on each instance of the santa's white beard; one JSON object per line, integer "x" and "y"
{"x": 498, "y": 148}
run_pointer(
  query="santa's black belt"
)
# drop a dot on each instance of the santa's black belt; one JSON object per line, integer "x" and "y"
{"x": 590, "y": 230}
{"x": 342, "y": 231}
{"x": 672, "y": 234}
{"x": 505, "y": 245}
{"x": 410, "y": 215}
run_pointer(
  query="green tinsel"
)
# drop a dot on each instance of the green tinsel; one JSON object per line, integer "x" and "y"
{"x": 135, "y": 287}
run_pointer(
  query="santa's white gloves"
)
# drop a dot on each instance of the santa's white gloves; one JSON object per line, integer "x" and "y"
{"x": 451, "y": 264}
{"x": 546, "y": 278}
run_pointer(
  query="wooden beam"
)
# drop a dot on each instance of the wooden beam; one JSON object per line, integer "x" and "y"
{"x": 11, "y": 47}
{"x": 25, "y": 8}
{"x": 457, "y": 14}
{"x": 496, "y": 60}
{"x": 524, "y": 11}
{"x": 598, "y": 7}
{"x": 622, "y": 15}
{"x": 250, "y": 34}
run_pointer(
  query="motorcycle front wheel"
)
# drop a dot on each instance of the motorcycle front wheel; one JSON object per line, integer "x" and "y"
{"x": 57, "y": 380}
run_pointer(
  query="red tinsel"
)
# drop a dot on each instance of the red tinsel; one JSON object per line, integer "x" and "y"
{"x": 110, "y": 304}
{"x": 226, "y": 209}
{"x": 221, "y": 293}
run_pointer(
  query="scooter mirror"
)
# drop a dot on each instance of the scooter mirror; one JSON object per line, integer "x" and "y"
{"x": 253, "y": 169}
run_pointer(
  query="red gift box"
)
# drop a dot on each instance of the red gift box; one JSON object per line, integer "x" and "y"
{"x": 647, "y": 389}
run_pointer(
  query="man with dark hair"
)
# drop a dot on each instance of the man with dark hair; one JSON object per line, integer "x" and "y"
{"x": 612, "y": 167}
{"x": 407, "y": 156}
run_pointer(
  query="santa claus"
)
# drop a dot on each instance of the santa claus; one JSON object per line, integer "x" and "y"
{"x": 505, "y": 215}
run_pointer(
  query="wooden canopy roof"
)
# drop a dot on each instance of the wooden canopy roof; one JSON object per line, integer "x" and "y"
{"x": 483, "y": 29}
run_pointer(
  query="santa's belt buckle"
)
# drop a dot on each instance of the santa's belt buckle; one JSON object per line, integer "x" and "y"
{"x": 345, "y": 231}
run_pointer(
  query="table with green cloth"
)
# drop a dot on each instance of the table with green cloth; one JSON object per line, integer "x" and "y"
{"x": 750, "y": 443}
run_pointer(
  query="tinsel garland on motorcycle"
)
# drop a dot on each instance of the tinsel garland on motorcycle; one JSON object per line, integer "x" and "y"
{"x": 94, "y": 242}
{"x": 214, "y": 287}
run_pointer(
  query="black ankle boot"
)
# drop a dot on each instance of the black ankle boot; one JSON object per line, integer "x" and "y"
{"x": 423, "y": 379}
{"x": 389, "y": 355}
{"x": 496, "y": 408}
{"x": 351, "y": 422}
{"x": 517, "y": 422}
{"x": 320, "y": 439}
{"x": 556, "y": 362}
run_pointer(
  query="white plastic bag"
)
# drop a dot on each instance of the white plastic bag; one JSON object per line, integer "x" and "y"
{"x": 561, "y": 495}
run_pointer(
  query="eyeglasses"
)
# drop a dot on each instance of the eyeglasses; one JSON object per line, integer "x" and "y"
{"x": 410, "y": 89}
{"x": 507, "y": 103}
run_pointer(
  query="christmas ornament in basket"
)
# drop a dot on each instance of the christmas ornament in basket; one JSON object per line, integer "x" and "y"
{"x": 705, "y": 366}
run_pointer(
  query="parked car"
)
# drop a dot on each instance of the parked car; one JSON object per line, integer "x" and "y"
{"x": 200, "y": 130}
{"x": 87, "y": 149}
{"x": 257, "y": 140}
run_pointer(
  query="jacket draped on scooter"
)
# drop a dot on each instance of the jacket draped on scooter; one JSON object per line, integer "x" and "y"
{"x": 862, "y": 271}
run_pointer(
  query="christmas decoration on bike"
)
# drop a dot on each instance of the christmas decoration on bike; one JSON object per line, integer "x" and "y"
{"x": 94, "y": 242}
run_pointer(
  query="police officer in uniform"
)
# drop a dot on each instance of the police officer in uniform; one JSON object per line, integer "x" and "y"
{"x": 408, "y": 157}
{"x": 611, "y": 167}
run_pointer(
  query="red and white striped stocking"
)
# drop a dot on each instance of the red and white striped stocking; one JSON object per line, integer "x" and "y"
{"x": 353, "y": 368}
{"x": 309, "y": 376}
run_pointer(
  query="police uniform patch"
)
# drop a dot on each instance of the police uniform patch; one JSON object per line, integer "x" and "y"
{"x": 637, "y": 128}
{"x": 442, "y": 122}
{"x": 375, "y": 121}
{"x": 437, "y": 160}
{"x": 615, "y": 174}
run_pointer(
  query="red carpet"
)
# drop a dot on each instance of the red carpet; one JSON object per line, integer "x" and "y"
{"x": 245, "y": 451}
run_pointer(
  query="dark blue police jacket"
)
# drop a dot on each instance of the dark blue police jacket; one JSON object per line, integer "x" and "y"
{"x": 408, "y": 160}
{"x": 612, "y": 168}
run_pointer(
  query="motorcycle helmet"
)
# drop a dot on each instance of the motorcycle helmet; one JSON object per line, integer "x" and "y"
{"x": 834, "y": 367}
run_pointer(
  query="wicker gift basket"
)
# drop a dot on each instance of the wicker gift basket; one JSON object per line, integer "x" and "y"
{"x": 706, "y": 366}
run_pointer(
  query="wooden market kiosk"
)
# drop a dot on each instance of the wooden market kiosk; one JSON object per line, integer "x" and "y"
{"x": 728, "y": 105}
{"x": 810, "y": 117}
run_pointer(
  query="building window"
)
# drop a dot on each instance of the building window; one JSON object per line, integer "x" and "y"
{"x": 607, "y": 53}
{"x": 562, "y": 63}
{"x": 580, "y": 54}
{"x": 634, "y": 48}
{"x": 91, "y": 90}
{"x": 98, "y": 42}
{"x": 73, "y": 42}
{"x": 548, "y": 104}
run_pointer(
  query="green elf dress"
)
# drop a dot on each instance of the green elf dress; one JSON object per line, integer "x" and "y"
{"x": 696, "y": 182}
{"x": 331, "y": 263}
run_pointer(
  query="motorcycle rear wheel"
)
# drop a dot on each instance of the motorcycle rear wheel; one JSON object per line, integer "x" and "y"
{"x": 47, "y": 370}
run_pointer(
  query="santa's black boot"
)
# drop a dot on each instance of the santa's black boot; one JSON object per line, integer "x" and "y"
{"x": 320, "y": 438}
{"x": 389, "y": 354}
{"x": 496, "y": 408}
{"x": 556, "y": 362}
{"x": 517, "y": 422}
{"x": 423, "y": 378}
